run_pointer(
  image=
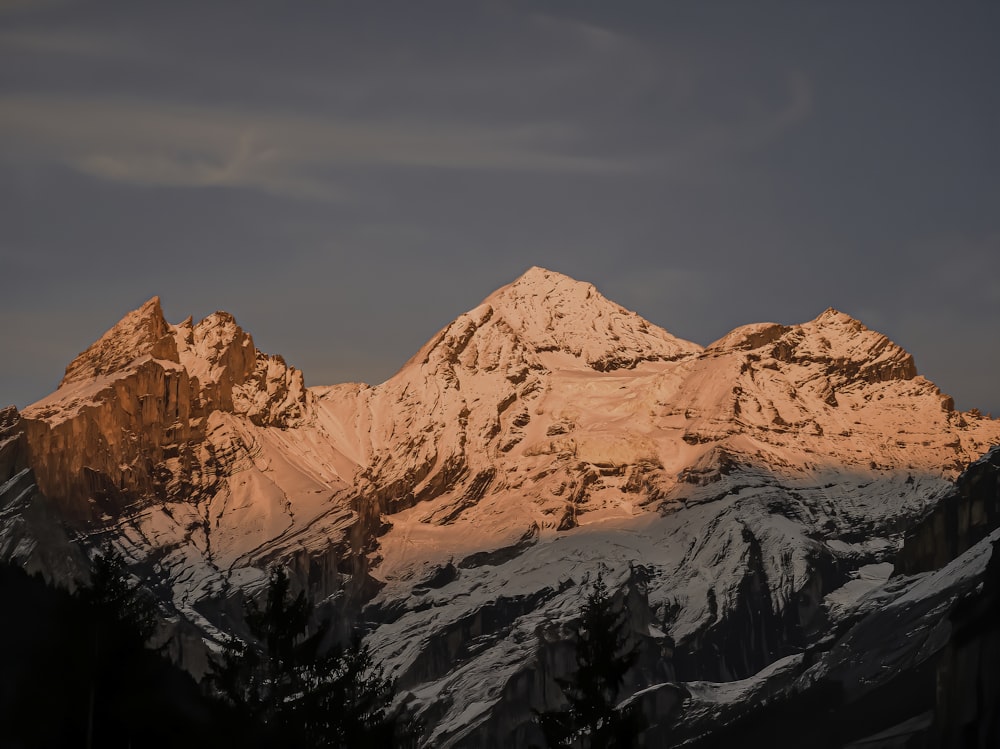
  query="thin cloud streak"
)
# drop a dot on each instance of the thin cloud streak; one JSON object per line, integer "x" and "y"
{"x": 153, "y": 143}
{"x": 150, "y": 143}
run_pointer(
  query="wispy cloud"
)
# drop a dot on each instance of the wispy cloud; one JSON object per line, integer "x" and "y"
{"x": 581, "y": 99}
{"x": 151, "y": 143}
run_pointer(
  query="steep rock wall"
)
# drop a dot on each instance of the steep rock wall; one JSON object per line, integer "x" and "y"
{"x": 128, "y": 424}
{"x": 31, "y": 532}
{"x": 959, "y": 520}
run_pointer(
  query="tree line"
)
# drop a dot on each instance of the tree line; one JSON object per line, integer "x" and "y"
{"x": 77, "y": 669}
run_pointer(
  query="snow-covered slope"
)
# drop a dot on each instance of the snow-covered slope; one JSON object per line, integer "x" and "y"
{"x": 457, "y": 509}
{"x": 911, "y": 661}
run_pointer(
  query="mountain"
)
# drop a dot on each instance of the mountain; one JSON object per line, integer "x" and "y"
{"x": 742, "y": 497}
{"x": 910, "y": 663}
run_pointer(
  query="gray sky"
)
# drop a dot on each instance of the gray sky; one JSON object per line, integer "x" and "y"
{"x": 348, "y": 177}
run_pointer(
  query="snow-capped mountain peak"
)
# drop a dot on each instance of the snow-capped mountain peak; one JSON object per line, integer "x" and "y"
{"x": 541, "y": 432}
{"x": 557, "y": 313}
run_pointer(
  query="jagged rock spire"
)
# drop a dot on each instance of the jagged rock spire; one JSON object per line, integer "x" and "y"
{"x": 142, "y": 332}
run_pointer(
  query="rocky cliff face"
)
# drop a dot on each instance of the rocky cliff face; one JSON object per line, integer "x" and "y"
{"x": 967, "y": 683}
{"x": 31, "y": 533}
{"x": 958, "y": 521}
{"x": 456, "y": 511}
{"x": 129, "y": 421}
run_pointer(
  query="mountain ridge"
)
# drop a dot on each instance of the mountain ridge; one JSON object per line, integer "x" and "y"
{"x": 544, "y": 430}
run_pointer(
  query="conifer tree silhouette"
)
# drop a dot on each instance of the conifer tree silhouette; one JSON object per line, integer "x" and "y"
{"x": 591, "y": 718}
{"x": 120, "y": 620}
{"x": 303, "y": 693}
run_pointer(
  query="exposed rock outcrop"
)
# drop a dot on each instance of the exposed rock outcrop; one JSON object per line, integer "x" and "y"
{"x": 31, "y": 532}
{"x": 958, "y": 521}
{"x": 968, "y": 682}
{"x": 129, "y": 422}
{"x": 142, "y": 332}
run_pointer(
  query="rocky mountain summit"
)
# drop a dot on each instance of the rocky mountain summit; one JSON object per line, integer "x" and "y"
{"x": 743, "y": 498}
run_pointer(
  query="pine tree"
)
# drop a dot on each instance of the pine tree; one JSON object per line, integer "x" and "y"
{"x": 303, "y": 693}
{"x": 78, "y": 670}
{"x": 120, "y": 620}
{"x": 347, "y": 702}
{"x": 263, "y": 675}
{"x": 126, "y": 615}
{"x": 603, "y": 656}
